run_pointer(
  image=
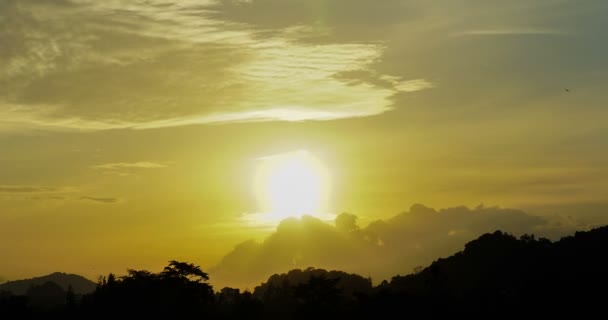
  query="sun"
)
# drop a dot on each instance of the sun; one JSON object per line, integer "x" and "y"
{"x": 291, "y": 185}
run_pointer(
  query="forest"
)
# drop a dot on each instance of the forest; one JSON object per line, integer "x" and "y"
{"x": 497, "y": 275}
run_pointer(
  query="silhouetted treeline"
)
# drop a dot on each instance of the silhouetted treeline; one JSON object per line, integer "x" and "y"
{"x": 495, "y": 276}
{"x": 498, "y": 275}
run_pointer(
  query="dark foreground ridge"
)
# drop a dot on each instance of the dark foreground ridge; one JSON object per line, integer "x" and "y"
{"x": 496, "y": 275}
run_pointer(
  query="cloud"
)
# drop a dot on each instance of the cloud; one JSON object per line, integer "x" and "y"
{"x": 29, "y": 189}
{"x": 96, "y": 65}
{"x": 36, "y": 193}
{"x": 381, "y": 249}
{"x": 408, "y": 85}
{"x": 130, "y": 165}
{"x": 128, "y": 168}
{"x": 512, "y": 32}
{"x": 161, "y": 64}
{"x": 24, "y": 189}
{"x": 49, "y": 193}
{"x": 362, "y": 16}
{"x": 101, "y": 200}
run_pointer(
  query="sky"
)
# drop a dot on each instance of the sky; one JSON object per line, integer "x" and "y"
{"x": 137, "y": 132}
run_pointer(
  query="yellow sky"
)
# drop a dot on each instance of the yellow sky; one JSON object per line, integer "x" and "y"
{"x": 131, "y": 131}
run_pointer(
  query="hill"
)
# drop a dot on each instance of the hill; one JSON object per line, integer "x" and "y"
{"x": 496, "y": 276}
{"x": 498, "y": 273}
{"x": 80, "y": 284}
{"x": 347, "y": 285}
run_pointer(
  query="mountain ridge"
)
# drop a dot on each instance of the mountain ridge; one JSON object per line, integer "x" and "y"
{"x": 80, "y": 284}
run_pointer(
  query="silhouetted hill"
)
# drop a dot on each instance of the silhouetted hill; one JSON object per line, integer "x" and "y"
{"x": 347, "y": 284}
{"x": 498, "y": 273}
{"x": 80, "y": 284}
{"x": 310, "y": 292}
{"x": 496, "y": 276}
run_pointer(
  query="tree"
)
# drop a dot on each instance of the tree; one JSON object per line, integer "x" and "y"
{"x": 70, "y": 297}
{"x": 185, "y": 271}
{"x": 180, "y": 289}
{"x": 48, "y": 295}
{"x": 346, "y": 222}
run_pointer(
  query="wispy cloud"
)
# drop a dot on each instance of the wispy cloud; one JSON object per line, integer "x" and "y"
{"x": 512, "y": 32}
{"x": 29, "y": 189}
{"x": 130, "y": 165}
{"x": 407, "y": 85}
{"x": 128, "y": 168}
{"x": 23, "y": 192}
{"x": 37, "y": 193}
{"x": 101, "y": 200}
{"x": 145, "y": 59}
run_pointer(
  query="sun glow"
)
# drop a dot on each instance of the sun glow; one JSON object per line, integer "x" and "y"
{"x": 291, "y": 185}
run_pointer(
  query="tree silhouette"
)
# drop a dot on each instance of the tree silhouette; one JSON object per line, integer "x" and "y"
{"x": 180, "y": 289}
{"x": 70, "y": 297}
{"x": 318, "y": 290}
{"x": 495, "y": 276}
{"x": 184, "y": 271}
{"x": 48, "y": 295}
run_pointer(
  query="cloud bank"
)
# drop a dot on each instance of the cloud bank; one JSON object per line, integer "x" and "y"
{"x": 96, "y": 65}
{"x": 90, "y": 65}
{"x": 380, "y": 250}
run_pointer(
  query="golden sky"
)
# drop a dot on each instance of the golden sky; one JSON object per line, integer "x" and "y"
{"x": 136, "y": 132}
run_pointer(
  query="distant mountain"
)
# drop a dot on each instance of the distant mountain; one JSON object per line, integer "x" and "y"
{"x": 80, "y": 284}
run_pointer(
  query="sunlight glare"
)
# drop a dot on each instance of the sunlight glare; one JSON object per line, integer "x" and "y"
{"x": 291, "y": 185}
